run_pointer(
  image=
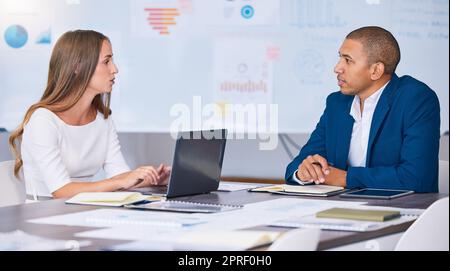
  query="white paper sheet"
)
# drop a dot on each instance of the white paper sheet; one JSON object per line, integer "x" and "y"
{"x": 121, "y": 217}
{"x": 22, "y": 241}
{"x": 233, "y": 186}
{"x": 262, "y": 213}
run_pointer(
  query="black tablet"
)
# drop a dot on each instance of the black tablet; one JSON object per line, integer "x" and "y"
{"x": 372, "y": 193}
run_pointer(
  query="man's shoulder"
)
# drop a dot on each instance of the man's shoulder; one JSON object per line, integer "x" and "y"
{"x": 411, "y": 88}
{"x": 411, "y": 85}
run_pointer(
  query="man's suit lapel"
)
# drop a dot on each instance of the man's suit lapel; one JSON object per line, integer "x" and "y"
{"x": 344, "y": 135}
{"x": 380, "y": 113}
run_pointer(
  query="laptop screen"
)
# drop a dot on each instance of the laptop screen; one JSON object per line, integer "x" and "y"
{"x": 197, "y": 162}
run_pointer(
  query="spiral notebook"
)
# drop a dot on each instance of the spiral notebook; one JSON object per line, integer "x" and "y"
{"x": 183, "y": 206}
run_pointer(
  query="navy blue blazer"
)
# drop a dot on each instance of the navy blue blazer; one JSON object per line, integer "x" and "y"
{"x": 403, "y": 147}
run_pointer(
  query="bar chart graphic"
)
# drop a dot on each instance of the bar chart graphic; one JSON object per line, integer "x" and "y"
{"x": 161, "y": 19}
{"x": 315, "y": 14}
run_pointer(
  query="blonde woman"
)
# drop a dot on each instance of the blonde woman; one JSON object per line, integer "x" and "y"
{"x": 69, "y": 135}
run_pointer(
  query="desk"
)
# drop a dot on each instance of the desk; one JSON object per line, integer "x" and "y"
{"x": 15, "y": 217}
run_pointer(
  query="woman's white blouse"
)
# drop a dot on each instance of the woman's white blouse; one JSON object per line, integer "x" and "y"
{"x": 55, "y": 153}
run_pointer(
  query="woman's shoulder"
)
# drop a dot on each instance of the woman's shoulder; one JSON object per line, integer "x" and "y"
{"x": 42, "y": 122}
{"x": 43, "y": 115}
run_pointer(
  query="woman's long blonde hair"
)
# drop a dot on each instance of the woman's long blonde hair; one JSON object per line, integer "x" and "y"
{"x": 72, "y": 64}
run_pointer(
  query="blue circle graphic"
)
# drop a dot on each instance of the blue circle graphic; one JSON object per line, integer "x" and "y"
{"x": 247, "y": 12}
{"x": 16, "y": 36}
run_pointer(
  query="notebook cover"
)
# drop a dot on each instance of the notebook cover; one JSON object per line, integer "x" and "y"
{"x": 358, "y": 214}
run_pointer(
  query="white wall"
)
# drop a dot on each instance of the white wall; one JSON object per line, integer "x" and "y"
{"x": 289, "y": 47}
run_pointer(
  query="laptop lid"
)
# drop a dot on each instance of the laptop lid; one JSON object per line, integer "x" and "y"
{"x": 197, "y": 162}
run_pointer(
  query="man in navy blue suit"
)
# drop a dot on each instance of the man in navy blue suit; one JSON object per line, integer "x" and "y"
{"x": 379, "y": 130}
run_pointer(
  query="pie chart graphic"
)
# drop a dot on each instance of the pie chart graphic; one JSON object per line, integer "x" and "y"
{"x": 16, "y": 36}
{"x": 247, "y": 12}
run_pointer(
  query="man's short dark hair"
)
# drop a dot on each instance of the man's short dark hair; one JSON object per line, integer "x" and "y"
{"x": 380, "y": 46}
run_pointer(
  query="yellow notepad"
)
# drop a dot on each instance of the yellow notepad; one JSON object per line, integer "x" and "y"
{"x": 358, "y": 214}
{"x": 110, "y": 198}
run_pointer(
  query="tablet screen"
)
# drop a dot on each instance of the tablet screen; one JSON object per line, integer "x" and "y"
{"x": 377, "y": 193}
{"x": 373, "y": 192}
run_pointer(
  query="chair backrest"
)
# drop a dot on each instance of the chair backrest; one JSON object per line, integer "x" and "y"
{"x": 12, "y": 190}
{"x": 297, "y": 240}
{"x": 443, "y": 176}
{"x": 429, "y": 231}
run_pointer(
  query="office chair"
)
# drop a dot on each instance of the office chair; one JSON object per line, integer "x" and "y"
{"x": 12, "y": 190}
{"x": 443, "y": 176}
{"x": 297, "y": 240}
{"x": 429, "y": 231}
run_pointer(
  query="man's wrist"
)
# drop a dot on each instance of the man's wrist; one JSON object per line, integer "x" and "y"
{"x": 296, "y": 179}
{"x": 344, "y": 178}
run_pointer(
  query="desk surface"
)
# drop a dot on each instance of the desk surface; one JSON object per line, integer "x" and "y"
{"x": 15, "y": 217}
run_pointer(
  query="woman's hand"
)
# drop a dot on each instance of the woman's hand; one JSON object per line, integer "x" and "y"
{"x": 164, "y": 173}
{"x": 161, "y": 178}
{"x": 132, "y": 179}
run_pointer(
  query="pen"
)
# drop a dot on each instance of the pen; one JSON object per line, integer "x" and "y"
{"x": 140, "y": 180}
{"x": 141, "y": 202}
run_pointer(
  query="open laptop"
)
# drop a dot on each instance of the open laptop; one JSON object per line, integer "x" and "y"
{"x": 197, "y": 164}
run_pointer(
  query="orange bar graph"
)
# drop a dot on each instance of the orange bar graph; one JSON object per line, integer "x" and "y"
{"x": 161, "y": 9}
{"x": 164, "y": 14}
{"x": 161, "y": 18}
{"x": 162, "y": 23}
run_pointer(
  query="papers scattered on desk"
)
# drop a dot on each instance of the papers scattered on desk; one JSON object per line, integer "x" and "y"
{"x": 158, "y": 236}
{"x": 254, "y": 214}
{"x": 164, "y": 229}
{"x": 183, "y": 239}
{"x": 261, "y": 213}
{"x": 120, "y": 217}
{"x": 22, "y": 241}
